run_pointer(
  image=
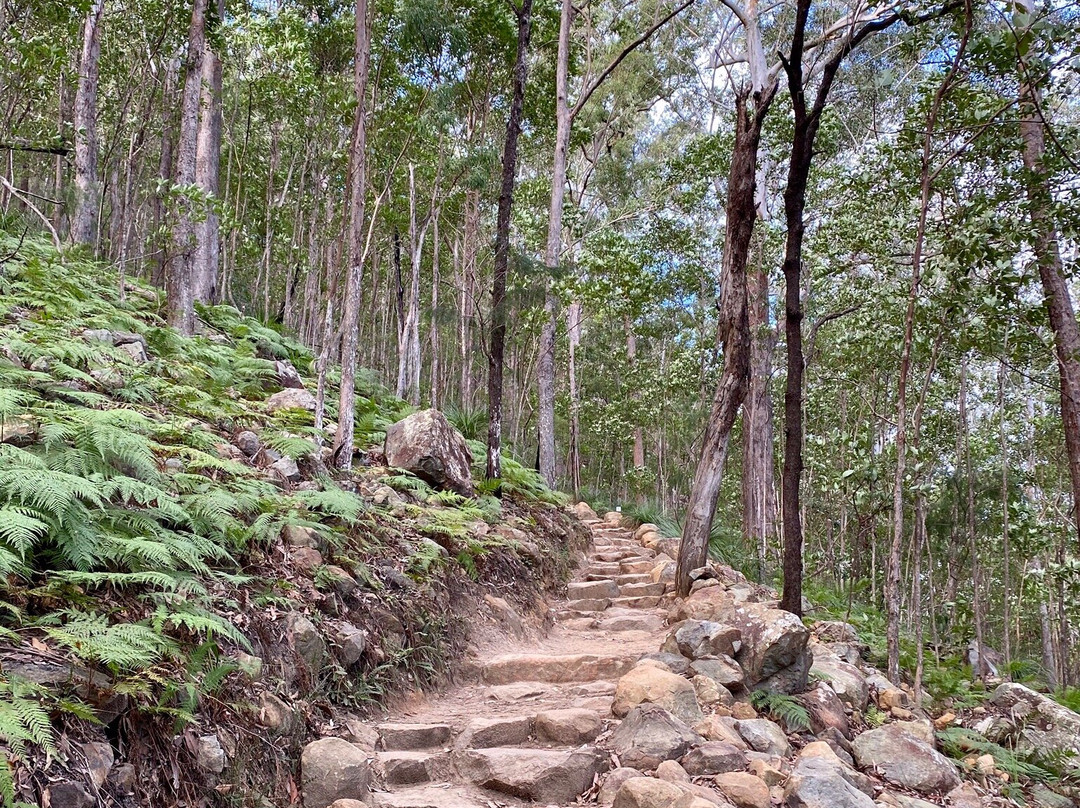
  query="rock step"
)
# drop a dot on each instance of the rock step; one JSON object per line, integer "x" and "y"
{"x": 604, "y": 571}
{"x": 592, "y": 589}
{"x": 408, "y": 737}
{"x": 588, "y": 604}
{"x": 645, "y": 602}
{"x": 557, "y": 668}
{"x": 430, "y": 796}
{"x": 635, "y": 578}
{"x": 642, "y": 590}
{"x": 636, "y": 567}
{"x": 411, "y": 768}
{"x": 541, "y": 775}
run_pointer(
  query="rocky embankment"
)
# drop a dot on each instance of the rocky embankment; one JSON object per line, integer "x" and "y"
{"x": 638, "y": 700}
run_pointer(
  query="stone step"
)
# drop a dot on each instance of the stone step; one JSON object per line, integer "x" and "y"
{"x": 482, "y": 733}
{"x": 411, "y": 768}
{"x": 556, "y": 668}
{"x": 589, "y": 604}
{"x": 616, "y": 555}
{"x": 580, "y": 590}
{"x": 430, "y": 796}
{"x": 634, "y": 622}
{"x": 644, "y": 602}
{"x": 540, "y": 775}
{"x": 406, "y": 737}
{"x": 641, "y": 589}
{"x": 636, "y": 567}
{"x": 634, "y": 578}
{"x": 604, "y": 570}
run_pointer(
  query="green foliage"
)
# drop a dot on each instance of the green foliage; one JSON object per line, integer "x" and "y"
{"x": 959, "y": 742}
{"x": 782, "y": 708}
{"x": 651, "y": 513}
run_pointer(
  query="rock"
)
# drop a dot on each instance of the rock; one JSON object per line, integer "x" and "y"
{"x": 826, "y": 710}
{"x": 427, "y": 445}
{"x": 571, "y": 727}
{"x": 769, "y": 774}
{"x": 342, "y": 583}
{"x": 250, "y": 665}
{"x": 713, "y": 757}
{"x": 773, "y": 654}
{"x": 350, "y": 643}
{"x": 406, "y": 737}
{"x": 672, "y": 772}
{"x": 505, "y": 613}
{"x": 98, "y": 335}
{"x": 19, "y": 430}
{"x": 348, "y": 804}
{"x": 555, "y": 668}
{"x": 361, "y": 735}
{"x": 123, "y": 779}
{"x": 697, "y": 639}
{"x": 1045, "y": 798}
{"x": 306, "y": 640}
{"x": 724, "y": 670}
{"x": 709, "y": 692}
{"x": 944, "y": 720}
{"x": 764, "y": 735}
{"x": 332, "y": 769}
{"x": 108, "y": 377}
{"x": 846, "y": 680}
{"x": 210, "y": 757}
{"x": 649, "y": 735}
{"x": 835, "y": 631}
{"x": 655, "y": 686}
{"x": 589, "y": 590}
{"x": 248, "y": 443}
{"x": 891, "y": 697}
{"x": 408, "y": 768}
{"x": 613, "y": 781}
{"x": 904, "y": 760}
{"x": 286, "y": 467}
{"x": 920, "y": 728}
{"x": 965, "y": 796}
{"x": 291, "y": 398}
{"x": 135, "y": 351}
{"x": 717, "y": 728}
{"x": 647, "y": 792}
{"x": 287, "y": 375}
{"x": 275, "y": 714}
{"x": 544, "y": 776}
{"x": 99, "y": 761}
{"x": 743, "y": 789}
{"x": 66, "y": 794}
{"x": 584, "y": 512}
{"x": 613, "y": 518}
{"x": 482, "y": 733}
{"x": 743, "y": 710}
{"x": 306, "y": 559}
{"x": 676, "y": 663}
{"x": 819, "y": 779}
{"x": 643, "y": 528}
{"x": 1044, "y": 724}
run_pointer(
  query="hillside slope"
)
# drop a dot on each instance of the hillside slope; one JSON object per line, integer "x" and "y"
{"x": 189, "y": 594}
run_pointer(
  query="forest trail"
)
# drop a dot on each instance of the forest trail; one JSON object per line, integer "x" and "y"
{"x": 524, "y": 733}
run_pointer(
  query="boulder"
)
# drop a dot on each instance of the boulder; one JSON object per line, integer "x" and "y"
{"x": 723, "y": 669}
{"x": 710, "y": 692}
{"x": 654, "y": 685}
{"x": 745, "y": 790}
{"x": 826, "y": 710}
{"x": 248, "y": 443}
{"x": 306, "y": 640}
{"x": 846, "y": 680}
{"x": 819, "y": 779}
{"x": 426, "y": 444}
{"x": 332, "y": 769}
{"x": 713, "y": 757}
{"x": 613, "y": 781}
{"x": 672, "y": 772}
{"x": 905, "y": 760}
{"x": 646, "y": 792}
{"x": 572, "y": 727}
{"x": 350, "y": 643}
{"x": 676, "y": 663}
{"x": 698, "y": 639}
{"x": 584, "y": 512}
{"x": 291, "y": 398}
{"x": 649, "y": 735}
{"x": 1044, "y": 725}
{"x": 67, "y": 794}
{"x": 287, "y": 375}
{"x": 718, "y": 728}
{"x": 99, "y": 761}
{"x": 764, "y": 735}
{"x": 209, "y": 755}
{"x": 540, "y": 775}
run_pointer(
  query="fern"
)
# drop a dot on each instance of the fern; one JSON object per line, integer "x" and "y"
{"x": 783, "y": 708}
{"x": 959, "y": 742}
{"x": 23, "y": 717}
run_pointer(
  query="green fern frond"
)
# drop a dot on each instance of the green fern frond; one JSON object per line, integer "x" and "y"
{"x": 783, "y": 708}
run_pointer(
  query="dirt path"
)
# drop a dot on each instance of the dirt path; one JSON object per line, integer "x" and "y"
{"x": 525, "y": 734}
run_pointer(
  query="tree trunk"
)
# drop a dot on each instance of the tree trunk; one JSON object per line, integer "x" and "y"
{"x": 408, "y": 380}
{"x": 84, "y": 220}
{"x": 758, "y": 487}
{"x": 178, "y": 281}
{"x": 207, "y": 259}
{"x": 972, "y": 534}
{"x": 1058, "y": 300}
{"x": 734, "y": 329}
{"x": 350, "y": 321}
{"x": 502, "y": 244}
{"x": 545, "y": 374}
{"x": 573, "y": 334}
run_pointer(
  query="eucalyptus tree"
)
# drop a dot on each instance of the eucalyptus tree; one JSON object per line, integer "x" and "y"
{"x": 84, "y": 221}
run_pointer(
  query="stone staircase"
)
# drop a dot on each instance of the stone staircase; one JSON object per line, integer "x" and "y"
{"x": 526, "y": 733}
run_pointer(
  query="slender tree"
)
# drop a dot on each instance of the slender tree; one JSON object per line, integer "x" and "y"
{"x": 206, "y": 263}
{"x": 497, "y": 347}
{"x": 350, "y": 320}
{"x": 84, "y": 220}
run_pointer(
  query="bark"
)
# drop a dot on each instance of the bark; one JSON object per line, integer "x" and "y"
{"x": 350, "y": 321}
{"x": 972, "y": 534}
{"x": 206, "y": 262}
{"x": 502, "y": 243}
{"x": 436, "y": 364}
{"x": 84, "y": 220}
{"x": 573, "y": 332}
{"x": 178, "y": 280}
{"x": 408, "y": 380}
{"x": 631, "y": 359}
{"x": 758, "y": 488}
{"x": 1045, "y": 243}
{"x": 734, "y": 331}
